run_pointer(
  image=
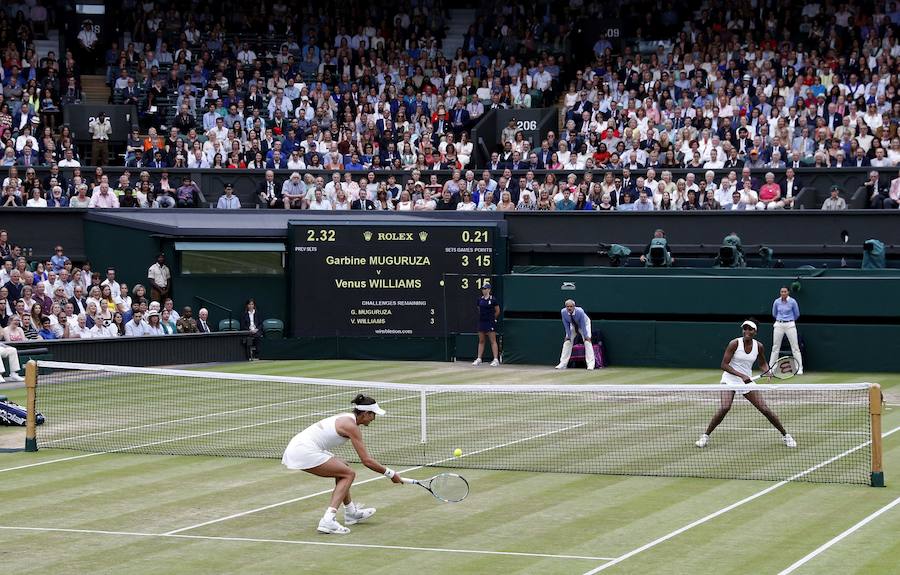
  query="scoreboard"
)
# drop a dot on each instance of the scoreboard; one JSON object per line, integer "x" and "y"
{"x": 368, "y": 278}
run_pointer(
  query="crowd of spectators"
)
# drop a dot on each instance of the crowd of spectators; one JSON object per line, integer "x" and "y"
{"x": 55, "y": 299}
{"x": 484, "y": 190}
{"x": 359, "y": 88}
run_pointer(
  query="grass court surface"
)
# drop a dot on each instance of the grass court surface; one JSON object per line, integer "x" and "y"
{"x": 75, "y": 512}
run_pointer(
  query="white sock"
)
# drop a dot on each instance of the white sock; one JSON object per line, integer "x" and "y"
{"x": 350, "y": 507}
{"x": 330, "y": 514}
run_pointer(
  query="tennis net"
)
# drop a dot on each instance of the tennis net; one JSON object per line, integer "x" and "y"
{"x": 626, "y": 430}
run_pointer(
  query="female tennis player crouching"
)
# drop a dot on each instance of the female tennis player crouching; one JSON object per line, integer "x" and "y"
{"x": 310, "y": 450}
{"x": 737, "y": 367}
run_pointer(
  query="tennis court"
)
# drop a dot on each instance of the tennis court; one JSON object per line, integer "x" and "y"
{"x": 68, "y": 511}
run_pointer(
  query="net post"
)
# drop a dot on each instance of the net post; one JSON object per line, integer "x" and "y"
{"x": 423, "y": 417}
{"x": 31, "y": 406}
{"x": 875, "y": 409}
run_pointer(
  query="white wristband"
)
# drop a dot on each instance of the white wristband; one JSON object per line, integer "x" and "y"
{"x": 389, "y": 473}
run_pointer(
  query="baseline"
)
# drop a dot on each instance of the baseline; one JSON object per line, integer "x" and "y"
{"x": 301, "y": 542}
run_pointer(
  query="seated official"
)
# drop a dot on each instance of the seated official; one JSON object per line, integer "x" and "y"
{"x": 11, "y": 355}
{"x": 834, "y": 202}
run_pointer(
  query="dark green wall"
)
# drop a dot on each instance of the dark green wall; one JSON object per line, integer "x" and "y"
{"x": 232, "y": 292}
{"x": 412, "y": 348}
{"x": 697, "y": 295}
{"x": 684, "y": 318}
{"x": 692, "y": 302}
{"x": 829, "y": 347}
{"x": 131, "y": 251}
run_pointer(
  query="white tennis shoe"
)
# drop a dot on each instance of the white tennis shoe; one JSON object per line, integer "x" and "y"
{"x": 704, "y": 439}
{"x": 13, "y": 376}
{"x": 562, "y": 366}
{"x": 361, "y": 514}
{"x": 477, "y": 362}
{"x": 331, "y": 526}
{"x": 495, "y": 363}
{"x": 788, "y": 440}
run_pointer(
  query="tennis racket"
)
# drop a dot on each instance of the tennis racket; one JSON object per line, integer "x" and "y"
{"x": 447, "y": 487}
{"x": 784, "y": 368}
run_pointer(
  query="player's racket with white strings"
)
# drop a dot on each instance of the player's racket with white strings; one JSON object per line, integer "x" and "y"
{"x": 446, "y": 487}
{"x": 784, "y": 368}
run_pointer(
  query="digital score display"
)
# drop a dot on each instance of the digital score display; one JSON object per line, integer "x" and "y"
{"x": 376, "y": 278}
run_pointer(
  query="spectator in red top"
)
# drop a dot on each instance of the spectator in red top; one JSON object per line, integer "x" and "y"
{"x": 770, "y": 194}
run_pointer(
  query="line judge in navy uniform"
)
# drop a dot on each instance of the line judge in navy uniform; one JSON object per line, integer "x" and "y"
{"x": 488, "y": 313}
{"x": 578, "y": 326}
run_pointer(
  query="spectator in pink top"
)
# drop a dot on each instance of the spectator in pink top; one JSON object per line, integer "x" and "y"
{"x": 103, "y": 198}
{"x": 770, "y": 194}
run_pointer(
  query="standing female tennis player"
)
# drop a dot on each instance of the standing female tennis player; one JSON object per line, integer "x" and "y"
{"x": 310, "y": 451}
{"x": 737, "y": 367}
{"x": 488, "y": 313}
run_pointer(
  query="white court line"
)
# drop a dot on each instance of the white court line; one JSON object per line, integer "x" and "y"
{"x": 734, "y": 505}
{"x": 836, "y": 539}
{"x": 49, "y": 461}
{"x": 300, "y": 542}
{"x": 376, "y": 478}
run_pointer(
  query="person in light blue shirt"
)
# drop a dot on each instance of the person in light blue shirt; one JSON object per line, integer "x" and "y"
{"x": 577, "y": 324}
{"x": 58, "y": 259}
{"x": 786, "y": 312}
{"x": 625, "y": 205}
{"x": 228, "y": 201}
{"x": 136, "y": 327}
{"x": 644, "y": 203}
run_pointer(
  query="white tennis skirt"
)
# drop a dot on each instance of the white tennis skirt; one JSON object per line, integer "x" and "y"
{"x": 302, "y": 456}
{"x": 739, "y": 385}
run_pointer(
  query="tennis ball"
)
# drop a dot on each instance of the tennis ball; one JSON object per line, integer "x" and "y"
{"x": 442, "y": 282}
{"x": 457, "y": 452}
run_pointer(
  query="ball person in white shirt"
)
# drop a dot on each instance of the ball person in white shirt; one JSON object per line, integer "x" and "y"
{"x": 310, "y": 451}
{"x": 737, "y": 368}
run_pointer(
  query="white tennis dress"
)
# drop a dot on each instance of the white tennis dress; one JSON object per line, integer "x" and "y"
{"x": 312, "y": 446}
{"x": 741, "y": 362}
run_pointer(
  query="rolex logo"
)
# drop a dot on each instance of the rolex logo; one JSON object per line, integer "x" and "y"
{"x": 423, "y": 235}
{"x": 367, "y": 235}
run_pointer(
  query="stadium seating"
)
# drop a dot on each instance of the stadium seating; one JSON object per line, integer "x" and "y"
{"x": 628, "y": 102}
{"x": 273, "y": 328}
